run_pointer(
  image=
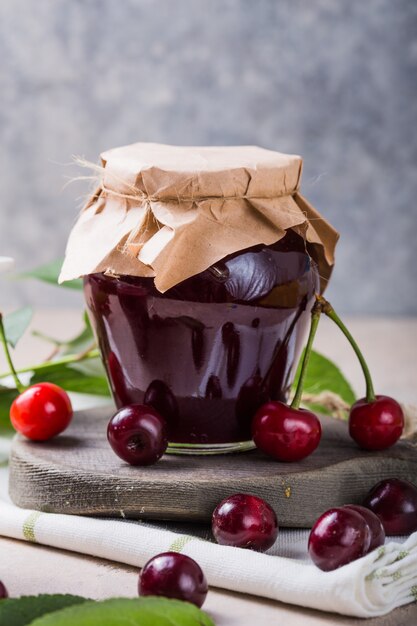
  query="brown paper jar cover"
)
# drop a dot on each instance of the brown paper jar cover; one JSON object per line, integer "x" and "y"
{"x": 170, "y": 212}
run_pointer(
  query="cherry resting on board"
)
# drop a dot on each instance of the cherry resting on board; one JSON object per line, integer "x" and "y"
{"x": 288, "y": 433}
{"x": 40, "y": 411}
{"x": 138, "y": 434}
{"x": 245, "y": 521}
{"x": 375, "y": 422}
{"x": 173, "y": 575}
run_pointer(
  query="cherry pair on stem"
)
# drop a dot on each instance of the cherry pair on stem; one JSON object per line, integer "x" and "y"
{"x": 289, "y": 433}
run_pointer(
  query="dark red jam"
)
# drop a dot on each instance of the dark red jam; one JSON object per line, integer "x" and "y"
{"x": 208, "y": 352}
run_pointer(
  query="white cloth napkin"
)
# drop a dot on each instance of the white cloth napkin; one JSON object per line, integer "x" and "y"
{"x": 371, "y": 586}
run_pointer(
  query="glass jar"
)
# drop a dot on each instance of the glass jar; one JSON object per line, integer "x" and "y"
{"x": 209, "y": 351}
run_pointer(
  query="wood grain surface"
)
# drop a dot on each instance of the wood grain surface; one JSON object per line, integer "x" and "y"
{"x": 78, "y": 473}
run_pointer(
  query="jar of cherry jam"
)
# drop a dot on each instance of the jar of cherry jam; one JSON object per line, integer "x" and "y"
{"x": 208, "y": 352}
{"x": 200, "y": 266}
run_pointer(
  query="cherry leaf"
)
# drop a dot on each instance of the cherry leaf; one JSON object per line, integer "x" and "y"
{"x": 72, "y": 378}
{"x": 324, "y": 378}
{"x": 16, "y": 323}
{"x": 49, "y": 273}
{"x": 149, "y": 611}
{"x": 22, "y": 611}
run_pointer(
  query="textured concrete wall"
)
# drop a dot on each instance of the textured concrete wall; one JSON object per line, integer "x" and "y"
{"x": 334, "y": 81}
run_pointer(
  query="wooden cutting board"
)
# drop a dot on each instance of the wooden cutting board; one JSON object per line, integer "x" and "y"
{"x": 78, "y": 473}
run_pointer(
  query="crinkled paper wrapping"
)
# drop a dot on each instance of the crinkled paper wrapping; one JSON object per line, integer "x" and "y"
{"x": 170, "y": 212}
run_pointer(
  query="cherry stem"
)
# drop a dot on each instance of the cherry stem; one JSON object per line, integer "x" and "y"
{"x": 315, "y": 318}
{"x": 3, "y": 339}
{"x": 331, "y": 313}
{"x": 50, "y": 365}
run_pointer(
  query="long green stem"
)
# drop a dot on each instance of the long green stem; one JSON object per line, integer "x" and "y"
{"x": 331, "y": 313}
{"x": 49, "y": 365}
{"x": 3, "y": 339}
{"x": 315, "y": 318}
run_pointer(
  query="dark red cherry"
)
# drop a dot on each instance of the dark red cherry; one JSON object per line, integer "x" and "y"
{"x": 173, "y": 575}
{"x": 3, "y": 591}
{"x": 138, "y": 434}
{"x": 245, "y": 521}
{"x": 374, "y": 523}
{"x": 285, "y": 433}
{"x": 376, "y": 425}
{"x": 394, "y": 501}
{"x": 338, "y": 537}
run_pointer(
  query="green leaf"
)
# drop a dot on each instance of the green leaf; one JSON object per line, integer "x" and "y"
{"x": 85, "y": 339}
{"x": 16, "y": 323}
{"x": 82, "y": 341}
{"x": 150, "y": 611}
{"x": 71, "y": 378}
{"x": 324, "y": 376}
{"x": 22, "y": 611}
{"x": 49, "y": 273}
{"x": 7, "y": 396}
{"x": 86, "y": 376}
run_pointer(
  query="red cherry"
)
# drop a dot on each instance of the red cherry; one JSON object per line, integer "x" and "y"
{"x": 138, "y": 434}
{"x": 338, "y": 537}
{"x": 173, "y": 575}
{"x": 41, "y": 411}
{"x": 3, "y": 591}
{"x": 394, "y": 501}
{"x": 376, "y": 425}
{"x": 374, "y": 523}
{"x": 245, "y": 521}
{"x": 285, "y": 433}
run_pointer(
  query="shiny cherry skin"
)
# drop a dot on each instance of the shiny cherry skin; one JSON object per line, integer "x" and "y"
{"x": 374, "y": 523}
{"x": 376, "y": 425}
{"x": 138, "y": 434}
{"x": 245, "y": 521}
{"x": 394, "y": 501}
{"x": 285, "y": 433}
{"x": 41, "y": 411}
{"x": 3, "y": 591}
{"x": 338, "y": 537}
{"x": 173, "y": 575}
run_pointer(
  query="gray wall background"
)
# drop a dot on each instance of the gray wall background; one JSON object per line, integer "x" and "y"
{"x": 333, "y": 81}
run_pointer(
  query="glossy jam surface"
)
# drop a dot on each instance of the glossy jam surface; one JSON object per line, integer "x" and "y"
{"x": 211, "y": 350}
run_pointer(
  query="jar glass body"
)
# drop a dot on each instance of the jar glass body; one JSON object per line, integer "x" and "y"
{"x": 209, "y": 351}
